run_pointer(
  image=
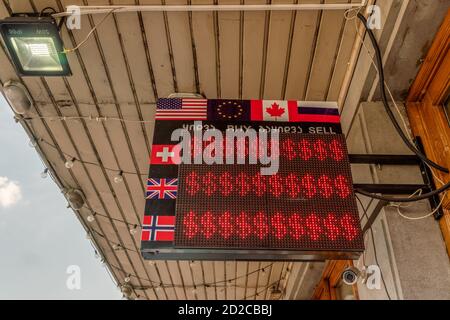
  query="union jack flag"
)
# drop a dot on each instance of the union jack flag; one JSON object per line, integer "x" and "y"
{"x": 158, "y": 228}
{"x": 161, "y": 188}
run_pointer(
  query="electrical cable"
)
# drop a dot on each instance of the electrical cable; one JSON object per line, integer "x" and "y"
{"x": 385, "y": 101}
{"x": 409, "y": 199}
{"x": 206, "y": 285}
{"x": 72, "y": 158}
{"x": 90, "y": 33}
{"x": 374, "y": 247}
{"x": 47, "y": 8}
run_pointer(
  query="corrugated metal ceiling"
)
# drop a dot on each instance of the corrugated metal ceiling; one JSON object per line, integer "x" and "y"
{"x": 133, "y": 59}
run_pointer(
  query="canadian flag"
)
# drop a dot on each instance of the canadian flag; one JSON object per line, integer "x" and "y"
{"x": 272, "y": 110}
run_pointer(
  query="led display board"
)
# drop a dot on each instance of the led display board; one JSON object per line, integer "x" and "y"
{"x": 306, "y": 211}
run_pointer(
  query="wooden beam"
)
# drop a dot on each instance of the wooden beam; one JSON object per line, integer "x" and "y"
{"x": 431, "y": 64}
{"x": 328, "y": 287}
{"x": 426, "y": 113}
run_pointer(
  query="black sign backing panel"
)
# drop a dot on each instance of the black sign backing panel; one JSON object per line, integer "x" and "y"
{"x": 293, "y": 231}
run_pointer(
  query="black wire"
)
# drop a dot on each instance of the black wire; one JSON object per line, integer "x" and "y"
{"x": 385, "y": 101}
{"x": 409, "y": 199}
{"x": 47, "y": 8}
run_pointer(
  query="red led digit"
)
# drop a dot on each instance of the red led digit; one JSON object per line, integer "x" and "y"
{"x": 292, "y": 185}
{"x": 305, "y": 151}
{"x": 342, "y": 186}
{"x": 244, "y": 228}
{"x": 261, "y": 226}
{"x": 190, "y": 226}
{"x": 259, "y": 184}
{"x": 278, "y": 223}
{"x": 320, "y": 150}
{"x": 336, "y": 150}
{"x": 209, "y": 183}
{"x": 192, "y": 183}
{"x": 226, "y": 183}
{"x": 225, "y": 224}
{"x": 313, "y": 226}
{"x": 243, "y": 183}
{"x": 208, "y": 227}
{"x": 308, "y": 187}
{"x": 296, "y": 227}
{"x": 330, "y": 224}
{"x": 275, "y": 185}
{"x": 349, "y": 228}
{"x": 288, "y": 149}
{"x": 325, "y": 185}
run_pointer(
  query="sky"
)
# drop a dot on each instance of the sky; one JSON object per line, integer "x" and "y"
{"x": 44, "y": 250}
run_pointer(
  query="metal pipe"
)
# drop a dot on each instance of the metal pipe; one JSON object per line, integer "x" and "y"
{"x": 208, "y": 8}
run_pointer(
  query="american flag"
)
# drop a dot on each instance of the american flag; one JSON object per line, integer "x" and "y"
{"x": 161, "y": 188}
{"x": 181, "y": 109}
{"x": 158, "y": 228}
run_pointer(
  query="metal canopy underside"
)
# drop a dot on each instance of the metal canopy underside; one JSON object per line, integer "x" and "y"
{"x": 133, "y": 59}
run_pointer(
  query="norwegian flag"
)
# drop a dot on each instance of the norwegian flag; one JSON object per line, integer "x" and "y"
{"x": 161, "y": 188}
{"x": 158, "y": 228}
{"x": 181, "y": 109}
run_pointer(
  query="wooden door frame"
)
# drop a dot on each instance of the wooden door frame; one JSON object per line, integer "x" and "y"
{"x": 426, "y": 114}
{"x": 327, "y": 289}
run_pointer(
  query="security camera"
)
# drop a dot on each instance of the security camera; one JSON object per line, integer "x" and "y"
{"x": 350, "y": 275}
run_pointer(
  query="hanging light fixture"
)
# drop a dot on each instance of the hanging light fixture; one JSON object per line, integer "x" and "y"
{"x": 35, "y": 46}
{"x": 18, "y": 97}
{"x": 75, "y": 198}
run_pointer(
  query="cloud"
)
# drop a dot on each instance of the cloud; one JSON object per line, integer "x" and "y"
{"x": 10, "y": 192}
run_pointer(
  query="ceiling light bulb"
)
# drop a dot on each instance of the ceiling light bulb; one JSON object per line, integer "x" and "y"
{"x": 133, "y": 230}
{"x": 126, "y": 290}
{"x": 69, "y": 163}
{"x": 119, "y": 177}
{"x": 90, "y": 218}
{"x": 32, "y": 143}
{"x": 44, "y": 173}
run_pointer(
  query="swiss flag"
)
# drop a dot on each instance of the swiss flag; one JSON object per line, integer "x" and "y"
{"x": 273, "y": 110}
{"x": 165, "y": 154}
